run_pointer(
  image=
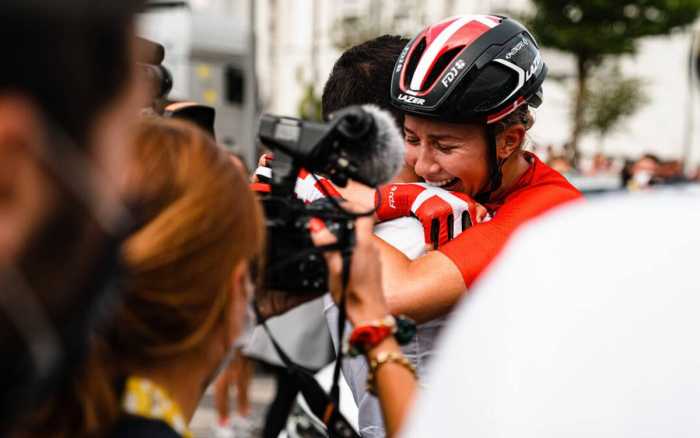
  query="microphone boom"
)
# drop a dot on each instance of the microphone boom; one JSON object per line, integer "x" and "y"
{"x": 361, "y": 143}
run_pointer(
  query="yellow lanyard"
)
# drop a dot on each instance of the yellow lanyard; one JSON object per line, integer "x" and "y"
{"x": 143, "y": 398}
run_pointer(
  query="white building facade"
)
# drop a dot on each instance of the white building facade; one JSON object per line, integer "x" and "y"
{"x": 294, "y": 48}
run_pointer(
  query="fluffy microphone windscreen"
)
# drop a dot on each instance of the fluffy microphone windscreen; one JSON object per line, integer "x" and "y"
{"x": 383, "y": 158}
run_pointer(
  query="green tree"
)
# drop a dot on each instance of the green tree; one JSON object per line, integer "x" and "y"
{"x": 610, "y": 100}
{"x": 378, "y": 18}
{"x": 593, "y": 30}
{"x": 351, "y": 31}
{"x": 310, "y": 104}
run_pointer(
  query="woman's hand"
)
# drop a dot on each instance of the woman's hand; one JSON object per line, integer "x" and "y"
{"x": 262, "y": 172}
{"x": 365, "y": 296}
{"x": 443, "y": 214}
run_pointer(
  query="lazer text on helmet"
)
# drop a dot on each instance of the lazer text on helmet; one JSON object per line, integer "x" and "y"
{"x": 411, "y": 99}
{"x": 533, "y": 68}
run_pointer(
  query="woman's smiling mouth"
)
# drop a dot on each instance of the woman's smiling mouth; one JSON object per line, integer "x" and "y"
{"x": 443, "y": 183}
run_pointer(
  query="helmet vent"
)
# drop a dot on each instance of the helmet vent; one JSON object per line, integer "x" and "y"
{"x": 415, "y": 59}
{"x": 491, "y": 87}
{"x": 440, "y": 66}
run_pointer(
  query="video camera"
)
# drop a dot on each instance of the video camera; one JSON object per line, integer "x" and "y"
{"x": 361, "y": 143}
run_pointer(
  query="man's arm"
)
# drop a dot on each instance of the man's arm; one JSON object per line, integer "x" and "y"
{"x": 423, "y": 289}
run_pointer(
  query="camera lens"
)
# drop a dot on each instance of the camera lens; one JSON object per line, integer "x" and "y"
{"x": 158, "y": 78}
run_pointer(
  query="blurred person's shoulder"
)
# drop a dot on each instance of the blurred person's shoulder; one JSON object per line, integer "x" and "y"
{"x": 590, "y": 299}
{"x": 624, "y": 215}
{"x": 618, "y": 227}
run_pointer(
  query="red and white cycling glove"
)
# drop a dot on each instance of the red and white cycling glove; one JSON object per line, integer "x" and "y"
{"x": 443, "y": 214}
{"x": 310, "y": 188}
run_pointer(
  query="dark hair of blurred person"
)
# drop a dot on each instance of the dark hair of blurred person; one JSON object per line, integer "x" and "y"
{"x": 74, "y": 61}
{"x": 67, "y": 99}
{"x": 644, "y": 172}
{"x": 362, "y": 75}
{"x": 184, "y": 303}
{"x": 201, "y": 115}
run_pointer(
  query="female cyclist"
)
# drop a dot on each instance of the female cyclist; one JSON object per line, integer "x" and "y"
{"x": 466, "y": 86}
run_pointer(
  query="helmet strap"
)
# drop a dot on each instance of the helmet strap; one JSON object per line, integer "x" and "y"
{"x": 495, "y": 166}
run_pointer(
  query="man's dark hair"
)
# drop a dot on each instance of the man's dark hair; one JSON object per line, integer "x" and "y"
{"x": 652, "y": 157}
{"x": 70, "y": 57}
{"x": 362, "y": 75}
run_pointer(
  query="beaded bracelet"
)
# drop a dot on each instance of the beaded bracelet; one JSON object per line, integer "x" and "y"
{"x": 382, "y": 358}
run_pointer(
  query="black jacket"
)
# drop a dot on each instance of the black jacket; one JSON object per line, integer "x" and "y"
{"x": 132, "y": 426}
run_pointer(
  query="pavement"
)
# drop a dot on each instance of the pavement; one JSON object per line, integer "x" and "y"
{"x": 262, "y": 391}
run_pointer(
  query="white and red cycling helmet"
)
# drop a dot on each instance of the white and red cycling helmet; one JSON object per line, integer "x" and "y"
{"x": 477, "y": 68}
{"x": 470, "y": 68}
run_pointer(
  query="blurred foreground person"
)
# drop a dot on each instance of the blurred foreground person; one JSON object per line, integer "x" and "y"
{"x": 67, "y": 103}
{"x": 185, "y": 299}
{"x": 600, "y": 341}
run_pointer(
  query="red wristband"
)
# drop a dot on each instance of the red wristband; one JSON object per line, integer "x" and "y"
{"x": 260, "y": 187}
{"x": 365, "y": 337}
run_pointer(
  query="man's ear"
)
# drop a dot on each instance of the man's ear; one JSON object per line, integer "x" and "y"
{"x": 25, "y": 192}
{"x": 510, "y": 140}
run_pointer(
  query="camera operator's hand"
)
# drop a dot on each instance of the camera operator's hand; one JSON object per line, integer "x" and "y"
{"x": 263, "y": 173}
{"x": 394, "y": 381}
{"x": 365, "y": 297}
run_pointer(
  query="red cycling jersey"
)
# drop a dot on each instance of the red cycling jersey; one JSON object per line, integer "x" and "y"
{"x": 539, "y": 189}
